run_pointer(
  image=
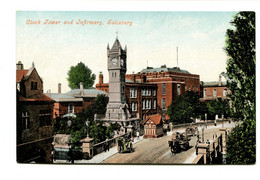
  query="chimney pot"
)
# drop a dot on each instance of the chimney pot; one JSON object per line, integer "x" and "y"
{"x": 59, "y": 88}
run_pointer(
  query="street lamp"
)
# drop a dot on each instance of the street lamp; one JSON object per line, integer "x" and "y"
{"x": 87, "y": 124}
{"x": 69, "y": 122}
{"x": 202, "y": 133}
{"x": 222, "y": 120}
{"x": 205, "y": 119}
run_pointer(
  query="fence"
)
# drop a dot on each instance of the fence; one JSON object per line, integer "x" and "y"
{"x": 100, "y": 147}
{"x": 213, "y": 151}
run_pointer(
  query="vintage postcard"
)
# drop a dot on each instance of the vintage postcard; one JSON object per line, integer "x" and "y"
{"x": 135, "y": 87}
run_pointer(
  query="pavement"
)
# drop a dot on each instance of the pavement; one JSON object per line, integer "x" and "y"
{"x": 112, "y": 151}
{"x": 99, "y": 157}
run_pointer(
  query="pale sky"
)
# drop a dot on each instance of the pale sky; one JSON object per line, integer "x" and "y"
{"x": 153, "y": 37}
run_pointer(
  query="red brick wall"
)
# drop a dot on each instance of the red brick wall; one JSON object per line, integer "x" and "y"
{"x": 219, "y": 91}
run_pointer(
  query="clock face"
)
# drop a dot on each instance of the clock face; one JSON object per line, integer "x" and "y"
{"x": 122, "y": 62}
{"x": 114, "y": 61}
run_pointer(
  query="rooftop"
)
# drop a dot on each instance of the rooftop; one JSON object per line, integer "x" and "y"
{"x": 214, "y": 83}
{"x": 86, "y": 92}
{"x": 164, "y": 69}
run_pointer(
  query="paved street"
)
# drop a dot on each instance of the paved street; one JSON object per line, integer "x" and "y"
{"x": 157, "y": 151}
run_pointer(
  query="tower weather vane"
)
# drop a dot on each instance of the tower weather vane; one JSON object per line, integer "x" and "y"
{"x": 116, "y": 34}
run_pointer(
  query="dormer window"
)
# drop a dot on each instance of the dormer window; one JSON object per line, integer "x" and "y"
{"x": 33, "y": 85}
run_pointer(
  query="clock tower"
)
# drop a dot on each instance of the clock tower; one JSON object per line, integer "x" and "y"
{"x": 116, "y": 64}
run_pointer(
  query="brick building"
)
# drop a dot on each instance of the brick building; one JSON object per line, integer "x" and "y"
{"x": 74, "y": 101}
{"x": 170, "y": 82}
{"x": 34, "y": 117}
{"x": 153, "y": 126}
{"x": 164, "y": 85}
{"x": 214, "y": 90}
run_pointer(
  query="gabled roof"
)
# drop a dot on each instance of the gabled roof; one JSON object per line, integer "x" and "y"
{"x": 25, "y": 73}
{"x": 156, "y": 118}
{"x": 20, "y": 74}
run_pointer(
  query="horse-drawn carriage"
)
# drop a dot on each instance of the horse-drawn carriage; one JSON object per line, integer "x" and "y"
{"x": 179, "y": 141}
{"x": 191, "y": 131}
{"x": 125, "y": 145}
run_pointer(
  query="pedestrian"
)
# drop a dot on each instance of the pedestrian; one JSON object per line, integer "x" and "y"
{"x": 137, "y": 134}
{"x": 71, "y": 156}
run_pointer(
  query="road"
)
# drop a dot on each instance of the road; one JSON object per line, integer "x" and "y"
{"x": 157, "y": 151}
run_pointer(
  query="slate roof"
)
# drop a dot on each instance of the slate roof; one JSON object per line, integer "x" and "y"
{"x": 86, "y": 92}
{"x": 214, "y": 84}
{"x": 164, "y": 69}
{"x": 58, "y": 97}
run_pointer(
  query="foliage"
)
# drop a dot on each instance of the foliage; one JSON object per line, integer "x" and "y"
{"x": 78, "y": 128}
{"x": 218, "y": 107}
{"x": 80, "y": 73}
{"x": 184, "y": 107}
{"x": 240, "y": 48}
{"x": 100, "y": 104}
{"x": 241, "y": 145}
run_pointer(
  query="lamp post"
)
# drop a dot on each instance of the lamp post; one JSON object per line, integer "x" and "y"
{"x": 202, "y": 137}
{"x": 222, "y": 120}
{"x": 205, "y": 119}
{"x": 87, "y": 124}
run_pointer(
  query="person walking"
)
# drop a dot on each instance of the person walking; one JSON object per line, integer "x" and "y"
{"x": 137, "y": 134}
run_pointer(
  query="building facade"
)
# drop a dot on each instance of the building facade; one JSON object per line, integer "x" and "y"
{"x": 214, "y": 90}
{"x": 34, "y": 117}
{"x": 165, "y": 84}
{"x": 74, "y": 101}
{"x": 153, "y": 126}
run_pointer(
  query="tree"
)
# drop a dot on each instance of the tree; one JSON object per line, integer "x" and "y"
{"x": 100, "y": 104}
{"x": 240, "y": 48}
{"x": 80, "y": 73}
{"x": 218, "y": 107}
{"x": 184, "y": 107}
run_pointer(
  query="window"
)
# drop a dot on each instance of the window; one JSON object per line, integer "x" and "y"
{"x": 134, "y": 106}
{"x": 25, "y": 120}
{"x": 70, "y": 108}
{"x": 163, "y": 89}
{"x": 133, "y": 93}
{"x": 163, "y": 103}
{"x": 33, "y": 85}
{"x": 146, "y": 92}
{"x": 225, "y": 92}
{"x": 205, "y": 93}
{"x": 143, "y": 104}
{"x": 178, "y": 89}
{"x": 154, "y": 92}
{"x": 154, "y": 104}
{"x": 45, "y": 117}
{"x": 214, "y": 93}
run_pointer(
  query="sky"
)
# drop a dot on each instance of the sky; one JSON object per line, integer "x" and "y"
{"x": 151, "y": 37}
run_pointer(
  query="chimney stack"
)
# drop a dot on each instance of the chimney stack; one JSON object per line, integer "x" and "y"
{"x": 19, "y": 66}
{"x": 219, "y": 80}
{"x": 59, "y": 88}
{"x": 100, "y": 78}
{"x": 81, "y": 88}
